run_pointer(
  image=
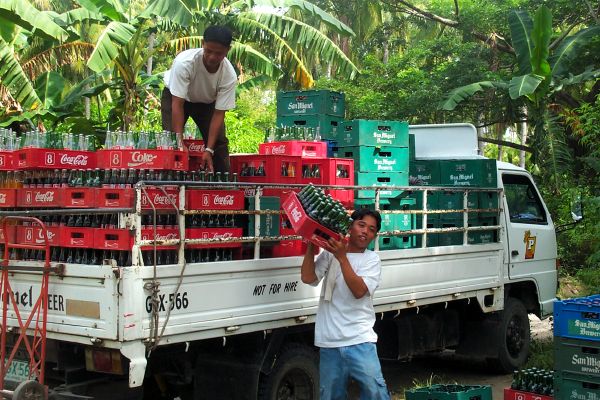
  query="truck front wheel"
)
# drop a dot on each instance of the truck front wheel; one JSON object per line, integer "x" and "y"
{"x": 514, "y": 337}
{"x": 295, "y": 375}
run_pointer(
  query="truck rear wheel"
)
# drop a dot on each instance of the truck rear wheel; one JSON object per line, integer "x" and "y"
{"x": 513, "y": 343}
{"x": 295, "y": 375}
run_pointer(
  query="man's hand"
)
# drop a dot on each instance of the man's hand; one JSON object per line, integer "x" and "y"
{"x": 337, "y": 248}
{"x": 207, "y": 161}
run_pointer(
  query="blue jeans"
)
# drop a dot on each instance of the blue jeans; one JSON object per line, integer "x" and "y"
{"x": 359, "y": 362}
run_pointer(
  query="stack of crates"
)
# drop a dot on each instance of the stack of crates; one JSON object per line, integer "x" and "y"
{"x": 381, "y": 157}
{"x": 321, "y": 110}
{"x": 464, "y": 173}
{"x": 577, "y": 348}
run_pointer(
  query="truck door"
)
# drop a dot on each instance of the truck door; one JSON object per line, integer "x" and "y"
{"x": 530, "y": 232}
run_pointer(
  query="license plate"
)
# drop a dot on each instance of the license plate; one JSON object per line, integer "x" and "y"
{"x": 18, "y": 371}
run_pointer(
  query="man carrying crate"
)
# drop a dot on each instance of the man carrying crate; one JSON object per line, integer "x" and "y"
{"x": 345, "y": 318}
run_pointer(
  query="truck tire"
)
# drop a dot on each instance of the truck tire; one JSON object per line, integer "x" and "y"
{"x": 295, "y": 375}
{"x": 513, "y": 343}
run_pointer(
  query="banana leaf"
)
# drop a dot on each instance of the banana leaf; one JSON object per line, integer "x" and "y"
{"x": 460, "y": 94}
{"x": 13, "y": 77}
{"x": 520, "y": 29}
{"x": 523, "y": 85}
{"x": 115, "y": 35}
{"x": 22, "y": 13}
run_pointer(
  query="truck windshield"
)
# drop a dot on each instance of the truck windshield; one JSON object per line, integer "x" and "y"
{"x": 524, "y": 204}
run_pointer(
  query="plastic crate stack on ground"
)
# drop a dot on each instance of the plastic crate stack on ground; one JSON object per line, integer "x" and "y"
{"x": 450, "y": 392}
{"x": 83, "y": 198}
{"x": 577, "y": 348}
{"x": 473, "y": 173}
{"x": 381, "y": 157}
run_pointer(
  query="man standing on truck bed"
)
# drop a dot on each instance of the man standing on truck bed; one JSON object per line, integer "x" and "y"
{"x": 345, "y": 318}
{"x": 201, "y": 84}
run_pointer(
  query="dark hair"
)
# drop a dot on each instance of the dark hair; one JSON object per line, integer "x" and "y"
{"x": 219, "y": 34}
{"x": 361, "y": 213}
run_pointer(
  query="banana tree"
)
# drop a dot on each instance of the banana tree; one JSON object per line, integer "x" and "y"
{"x": 543, "y": 72}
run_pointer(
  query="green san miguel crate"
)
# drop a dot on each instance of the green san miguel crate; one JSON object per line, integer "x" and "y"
{"x": 269, "y": 223}
{"x": 569, "y": 386}
{"x": 480, "y": 237}
{"x": 578, "y": 356}
{"x": 389, "y": 222}
{"x": 376, "y": 159}
{"x": 450, "y": 392}
{"x": 380, "y": 179}
{"x": 307, "y": 102}
{"x": 362, "y": 132}
{"x": 475, "y": 172}
{"x": 453, "y": 200}
{"x": 424, "y": 173}
{"x": 328, "y": 126}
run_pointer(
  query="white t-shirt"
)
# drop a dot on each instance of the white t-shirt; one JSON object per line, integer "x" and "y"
{"x": 346, "y": 320}
{"x": 189, "y": 79}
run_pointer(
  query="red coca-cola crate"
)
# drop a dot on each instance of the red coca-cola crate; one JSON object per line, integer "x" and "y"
{"x": 9, "y": 236}
{"x": 304, "y": 225}
{"x": 328, "y": 171}
{"x": 6, "y": 160}
{"x": 213, "y": 233}
{"x": 113, "y": 239}
{"x": 294, "y": 148}
{"x": 162, "y": 199}
{"x": 39, "y": 197}
{"x": 289, "y": 248}
{"x": 114, "y": 198}
{"x": 344, "y": 196}
{"x": 247, "y": 166}
{"x": 8, "y": 198}
{"x": 286, "y": 169}
{"x": 204, "y": 199}
{"x": 143, "y": 159}
{"x": 159, "y": 234}
{"x": 35, "y": 235}
{"x": 77, "y": 237}
{"x": 81, "y": 197}
{"x": 54, "y": 159}
{"x": 195, "y": 147}
{"x": 511, "y": 394}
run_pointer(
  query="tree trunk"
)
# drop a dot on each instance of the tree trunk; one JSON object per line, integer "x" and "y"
{"x": 480, "y": 133}
{"x": 87, "y": 102}
{"x": 523, "y": 126}
{"x": 386, "y": 52}
{"x": 151, "y": 40}
{"x": 500, "y": 127}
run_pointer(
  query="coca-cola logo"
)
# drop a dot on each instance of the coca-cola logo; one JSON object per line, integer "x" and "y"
{"x": 161, "y": 199}
{"x": 226, "y": 200}
{"x": 224, "y": 235}
{"x": 79, "y": 159}
{"x": 196, "y": 147}
{"x": 40, "y": 236}
{"x": 168, "y": 236}
{"x": 140, "y": 158}
{"x": 278, "y": 149}
{"x": 46, "y": 197}
{"x": 2, "y": 198}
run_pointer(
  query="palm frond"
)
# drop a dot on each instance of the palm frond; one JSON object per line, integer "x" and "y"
{"x": 551, "y": 151}
{"x": 56, "y": 57}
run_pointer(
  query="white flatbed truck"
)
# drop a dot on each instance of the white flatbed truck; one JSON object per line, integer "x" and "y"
{"x": 244, "y": 328}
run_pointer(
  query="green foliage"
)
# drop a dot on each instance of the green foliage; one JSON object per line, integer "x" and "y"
{"x": 541, "y": 354}
{"x": 590, "y": 279}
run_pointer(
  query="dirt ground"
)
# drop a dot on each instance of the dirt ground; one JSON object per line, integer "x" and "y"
{"x": 448, "y": 368}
